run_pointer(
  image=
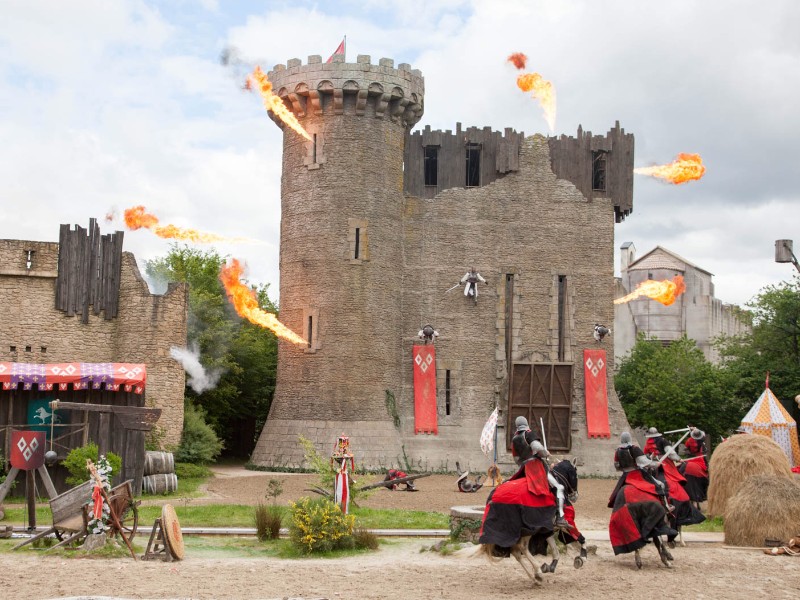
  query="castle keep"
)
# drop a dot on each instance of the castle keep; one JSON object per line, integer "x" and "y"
{"x": 378, "y": 223}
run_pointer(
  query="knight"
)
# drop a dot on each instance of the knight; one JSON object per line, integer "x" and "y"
{"x": 628, "y": 458}
{"x": 526, "y": 446}
{"x": 471, "y": 279}
{"x": 655, "y": 442}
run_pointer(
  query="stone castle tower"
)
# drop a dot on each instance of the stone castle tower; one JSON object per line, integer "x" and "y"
{"x": 377, "y": 223}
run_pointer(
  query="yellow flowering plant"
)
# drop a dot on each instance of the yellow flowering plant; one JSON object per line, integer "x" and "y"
{"x": 319, "y": 525}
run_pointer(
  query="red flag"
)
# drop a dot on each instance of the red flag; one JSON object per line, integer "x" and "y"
{"x": 339, "y": 50}
{"x": 425, "y": 418}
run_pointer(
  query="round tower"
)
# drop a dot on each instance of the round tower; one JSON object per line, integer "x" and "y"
{"x": 341, "y": 256}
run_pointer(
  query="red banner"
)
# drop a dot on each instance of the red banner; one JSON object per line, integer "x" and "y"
{"x": 27, "y": 449}
{"x": 594, "y": 375}
{"x": 425, "y": 419}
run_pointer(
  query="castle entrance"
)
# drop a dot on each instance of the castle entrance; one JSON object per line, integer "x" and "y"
{"x": 542, "y": 390}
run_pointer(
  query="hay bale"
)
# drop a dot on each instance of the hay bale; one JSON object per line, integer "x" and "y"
{"x": 765, "y": 507}
{"x": 736, "y": 459}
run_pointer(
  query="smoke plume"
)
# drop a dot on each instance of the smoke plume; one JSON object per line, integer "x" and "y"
{"x": 199, "y": 380}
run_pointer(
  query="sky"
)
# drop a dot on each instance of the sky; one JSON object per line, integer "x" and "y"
{"x": 107, "y": 104}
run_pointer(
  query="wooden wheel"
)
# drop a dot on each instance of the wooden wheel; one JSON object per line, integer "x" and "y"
{"x": 129, "y": 519}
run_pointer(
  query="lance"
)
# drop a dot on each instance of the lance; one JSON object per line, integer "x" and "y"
{"x": 692, "y": 458}
{"x": 675, "y": 445}
{"x": 544, "y": 437}
{"x": 678, "y": 431}
{"x": 454, "y": 287}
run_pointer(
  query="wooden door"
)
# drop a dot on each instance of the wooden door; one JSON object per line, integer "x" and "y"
{"x": 542, "y": 391}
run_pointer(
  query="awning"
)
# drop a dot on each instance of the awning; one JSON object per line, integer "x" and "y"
{"x": 113, "y": 377}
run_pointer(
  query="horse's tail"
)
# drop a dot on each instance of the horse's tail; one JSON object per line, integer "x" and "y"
{"x": 492, "y": 552}
{"x": 469, "y": 551}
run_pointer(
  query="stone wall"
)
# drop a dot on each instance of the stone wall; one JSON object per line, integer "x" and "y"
{"x": 32, "y": 330}
{"x": 361, "y": 312}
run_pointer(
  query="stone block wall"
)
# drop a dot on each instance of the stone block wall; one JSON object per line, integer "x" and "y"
{"x": 32, "y": 330}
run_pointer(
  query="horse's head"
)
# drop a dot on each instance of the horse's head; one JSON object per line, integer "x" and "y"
{"x": 567, "y": 475}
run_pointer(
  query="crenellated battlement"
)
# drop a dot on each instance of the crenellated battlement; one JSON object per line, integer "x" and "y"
{"x": 359, "y": 88}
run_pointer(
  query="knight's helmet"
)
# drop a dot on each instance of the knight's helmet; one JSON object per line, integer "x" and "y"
{"x": 697, "y": 434}
{"x": 625, "y": 438}
{"x": 521, "y": 424}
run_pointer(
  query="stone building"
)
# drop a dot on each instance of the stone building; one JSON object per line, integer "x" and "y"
{"x": 696, "y": 313}
{"x": 378, "y": 223}
{"x": 40, "y": 287}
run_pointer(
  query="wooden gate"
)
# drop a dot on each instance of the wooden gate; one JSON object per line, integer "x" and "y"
{"x": 542, "y": 390}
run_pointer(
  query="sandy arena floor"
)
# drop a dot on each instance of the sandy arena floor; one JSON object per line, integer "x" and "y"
{"x": 399, "y": 568}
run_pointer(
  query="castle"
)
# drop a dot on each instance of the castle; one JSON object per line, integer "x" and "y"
{"x": 378, "y": 223}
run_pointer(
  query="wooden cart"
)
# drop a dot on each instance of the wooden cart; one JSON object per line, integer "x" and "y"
{"x": 71, "y": 514}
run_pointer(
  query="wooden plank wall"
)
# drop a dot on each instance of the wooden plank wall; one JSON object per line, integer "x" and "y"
{"x": 89, "y": 269}
{"x": 499, "y": 155}
{"x": 571, "y": 159}
{"x": 103, "y": 429}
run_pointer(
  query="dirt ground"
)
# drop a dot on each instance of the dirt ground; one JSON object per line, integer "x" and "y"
{"x": 401, "y": 568}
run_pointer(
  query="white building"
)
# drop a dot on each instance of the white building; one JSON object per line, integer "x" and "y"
{"x": 695, "y": 313}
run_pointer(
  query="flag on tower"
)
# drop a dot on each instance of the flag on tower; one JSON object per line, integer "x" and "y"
{"x": 487, "y": 435}
{"x": 339, "y": 50}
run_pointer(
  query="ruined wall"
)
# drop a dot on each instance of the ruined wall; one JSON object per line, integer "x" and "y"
{"x": 33, "y": 330}
{"x": 535, "y": 227}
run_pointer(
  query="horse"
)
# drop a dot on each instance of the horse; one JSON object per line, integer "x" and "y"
{"x": 519, "y": 518}
{"x": 567, "y": 475}
{"x": 639, "y": 516}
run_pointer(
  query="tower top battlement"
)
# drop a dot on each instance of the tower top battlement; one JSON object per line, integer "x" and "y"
{"x": 394, "y": 92}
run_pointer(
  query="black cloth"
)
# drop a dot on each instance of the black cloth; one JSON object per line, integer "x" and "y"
{"x": 521, "y": 446}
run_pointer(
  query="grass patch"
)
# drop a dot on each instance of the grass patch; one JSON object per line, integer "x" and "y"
{"x": 374, "y": 518}
{"x": 715, "y": 525}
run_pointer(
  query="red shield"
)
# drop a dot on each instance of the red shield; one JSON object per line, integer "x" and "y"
{"x": 27, "y": 449}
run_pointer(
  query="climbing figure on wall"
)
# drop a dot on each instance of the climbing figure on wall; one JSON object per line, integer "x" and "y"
{"x": 471, "y": 279}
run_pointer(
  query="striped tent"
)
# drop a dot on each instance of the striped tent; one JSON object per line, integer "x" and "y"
{"x": 769, "y": 418}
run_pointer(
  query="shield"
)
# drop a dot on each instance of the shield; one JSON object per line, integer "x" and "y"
{"x": 27, "y": 449}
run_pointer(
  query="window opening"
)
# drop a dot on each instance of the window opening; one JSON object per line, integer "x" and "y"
{"x": 27, "y": 348}
{"x": 509, "y": 321}
{"x": 358, "y": 240}
{"x": 473, "y": 165}
{"x": 43, "y": 349}
{"x": 310, "y": 329}
{"x": 599, "y": 171}
{"x": 314, "y": 150}
{"x": 447, "y": 392}
{"x": 562, "y": 304}
{"x": 431, "y": 165}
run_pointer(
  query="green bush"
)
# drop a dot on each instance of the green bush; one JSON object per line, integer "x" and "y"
{"x": 320, "y": 526}
{"x": 189, "y": 471}
{"x": 75, "y": 463}
{"x": 268, "y": 522}
{"x": 199, "y": 443}
{"x": 365, "y": 539}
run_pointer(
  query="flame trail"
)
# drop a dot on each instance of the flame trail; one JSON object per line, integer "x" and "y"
{"x": 540, "y": 88}
{"x": 686, "y": 167}
{"x": 272, "y": 102}
{"x": 246, "y": 305}
{"x": 138, "y": 217}
{"x": 664, "y": 291}
{"x": 518, "y": 59}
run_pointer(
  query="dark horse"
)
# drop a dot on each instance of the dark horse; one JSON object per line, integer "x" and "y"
{"x": 639, "y": 516}
{"x": 520, "y": 514}
{"x": 567, "y": 475}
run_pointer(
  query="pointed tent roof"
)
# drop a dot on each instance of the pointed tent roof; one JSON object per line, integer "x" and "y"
{"x": 769, "y": 418}
{"x": 661, "y": 258}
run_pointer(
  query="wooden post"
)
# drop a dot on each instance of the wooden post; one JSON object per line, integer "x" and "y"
{"x": 104, "y": 434}
{"x": 30, "y": 494}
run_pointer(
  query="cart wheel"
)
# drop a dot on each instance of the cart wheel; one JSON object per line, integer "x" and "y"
{"x": 129, "y": 520}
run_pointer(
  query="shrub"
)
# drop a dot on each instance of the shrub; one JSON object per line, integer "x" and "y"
{"x": 268, "y": 522}
{"x": 75, "y": 463}
{"x": 189, "y": 471}
{"x": 199, "y": 443}
{"x": 365, "y": 539}
{"x": 320, "y": 526}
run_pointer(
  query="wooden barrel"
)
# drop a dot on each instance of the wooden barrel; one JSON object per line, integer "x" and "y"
{"x": 157, "y": 462}
{"x": 162, "y": 483}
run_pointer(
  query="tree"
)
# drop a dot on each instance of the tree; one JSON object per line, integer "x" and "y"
{"x": 773, "y": 346}
{"x": 244, "y": 353}
{"x": 672, "y": 386}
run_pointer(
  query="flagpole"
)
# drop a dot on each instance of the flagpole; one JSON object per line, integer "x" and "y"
{"x": 345, "y": 48}
{"x": 494, "y": 462}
